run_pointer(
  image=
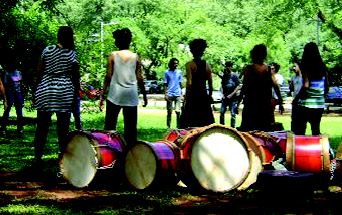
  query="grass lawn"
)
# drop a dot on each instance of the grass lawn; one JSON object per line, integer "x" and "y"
{"x": 17, "y": 152}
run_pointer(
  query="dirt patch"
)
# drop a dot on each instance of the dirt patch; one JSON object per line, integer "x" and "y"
{"x": 50, "y": 189}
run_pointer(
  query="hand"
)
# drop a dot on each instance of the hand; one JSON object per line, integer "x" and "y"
{"x": 101, "y": 104}
{"x": 281, "y": 108}
{"x": 166, "y": 97}
{"x": 5, "y": 104}
{"x": 230, "y": 96}
{"x": 145, "y": 101}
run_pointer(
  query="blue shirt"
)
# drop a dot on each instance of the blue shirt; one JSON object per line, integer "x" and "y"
{"x": 173, "y": 80}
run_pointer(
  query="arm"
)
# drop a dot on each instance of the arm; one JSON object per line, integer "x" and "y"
{"x": 278, "y": 93}
{"x": 326, "y": 85}
{"x": 210, "y": 80}
{"x": 188, "y": 80}
{"x": 76, "y": 78}
{"x": 140, "y": 80}
{"x": 302, "y": 92}
{"x": 165, "y": 86}
{"x": 108, "y": 78}
{"x": 2, "y": 90}
{"x": 39, "y": 75}
{"x": 244, "y": 85}
{"x": 237, "y": 88}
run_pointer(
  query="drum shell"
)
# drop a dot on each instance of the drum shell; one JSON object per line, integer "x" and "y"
{"x": 176, "y": 136}
{"x": 258, "y": 159}
{"x": 307, "y": 153}
{"x": 167, "y": 157}
{"x": 108, "y": 147}
{"x": 186, "y": 146}
{"x": 281, "y": 138}
{"x": 271, "y": 148}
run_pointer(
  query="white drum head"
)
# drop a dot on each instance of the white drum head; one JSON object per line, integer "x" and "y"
{"x": 79, "y": 162}
{"x": 140, "y": 166}
{"x": 220, "y": 160}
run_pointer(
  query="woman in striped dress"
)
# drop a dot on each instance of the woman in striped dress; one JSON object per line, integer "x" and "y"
{"x": 310, "y": 99}
{"x": 57, "y": 79}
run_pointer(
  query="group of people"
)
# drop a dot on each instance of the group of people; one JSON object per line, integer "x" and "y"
{"x": 58, "y": 84}
{"x": 260, "y": 92}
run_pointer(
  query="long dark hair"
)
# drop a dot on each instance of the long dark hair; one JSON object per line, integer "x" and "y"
{"x": 312, "y": 63}
{"x": 66, "y": 37}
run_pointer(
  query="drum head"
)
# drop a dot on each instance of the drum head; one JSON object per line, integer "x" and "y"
{"x": 220, "y": 159}
{"x": 140, "y": 166}
{"x": 79, "y": 161}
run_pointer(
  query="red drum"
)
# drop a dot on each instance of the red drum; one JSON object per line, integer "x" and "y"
{"x": 215, "y": 158}
{"x": 88, "y": 151}
{"x": 151, "y": 165}
{"x": 176, "y": 136}
{"x": 258, "y": 160}
{"x": 271, "y": 148}
{"x": 281, "y": 138}
{"x": 308, "y": 153}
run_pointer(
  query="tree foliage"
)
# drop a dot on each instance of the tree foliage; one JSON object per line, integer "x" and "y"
{"x": 163, "y": 29}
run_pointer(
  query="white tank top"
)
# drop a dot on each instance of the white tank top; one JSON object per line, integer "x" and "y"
{"x": 123, "y": 89}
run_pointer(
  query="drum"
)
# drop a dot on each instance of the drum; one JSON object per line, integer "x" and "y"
{"x": 281, "y": 138}
{"x": 215, "y": 158}
{"x": 88, "y": 151}
{"x": 176, "y": 136}
{"x": 271, "y": 148}
{"x": 308, "y": 153}
{"x": 150, "y": 165}
{"x": 258, "y": 161}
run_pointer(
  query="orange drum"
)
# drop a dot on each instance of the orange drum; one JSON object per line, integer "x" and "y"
{"x": 271, "y": 148}
{"x": 88, "y": 151}
{"x": 308, "y": 153}
{"x": 258, "y": 161}
{"x": 152, "y": 164}
{"x": 215, "y": 158}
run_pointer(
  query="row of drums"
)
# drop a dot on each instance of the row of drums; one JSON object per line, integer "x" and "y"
{"x": 214, "y": 158}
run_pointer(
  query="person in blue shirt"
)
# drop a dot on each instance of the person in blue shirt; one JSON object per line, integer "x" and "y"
{"x": 173, "y": 91}
{"x": 12, "y": 83}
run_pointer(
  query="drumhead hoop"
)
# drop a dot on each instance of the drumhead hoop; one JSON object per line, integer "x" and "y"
{"x": 79, "y": 160}
{"x": 220, "y": 157}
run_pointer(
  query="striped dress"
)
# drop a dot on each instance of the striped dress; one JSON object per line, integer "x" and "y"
{"x": 55, "y": 92}
{"x": 315, "y": 95}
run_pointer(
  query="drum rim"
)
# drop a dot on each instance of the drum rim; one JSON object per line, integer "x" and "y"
{"x": 96, "y": 150}
{"x": 196, "y": 133}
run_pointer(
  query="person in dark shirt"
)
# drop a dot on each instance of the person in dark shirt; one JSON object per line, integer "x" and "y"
{"x": 230, "y": 87}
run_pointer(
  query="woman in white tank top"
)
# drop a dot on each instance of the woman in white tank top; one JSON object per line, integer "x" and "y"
{"x": 124, "y": 76}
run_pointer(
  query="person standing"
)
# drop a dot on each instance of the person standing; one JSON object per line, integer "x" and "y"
{"x": 197, "y": 110}
{"x": 12, "y": 84}
{"x": 173, "y": 91}
{"x": 280, "y": 79}
{"x": 311, "y": 97}
{"x": 296, "y": 84}
{"x": 123, "y": 77}
{"x": 230, "y": 87}
{"x": 2, "y": 91}
{"x": 57, "y": 79}
{"x": 256, "y": 92}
